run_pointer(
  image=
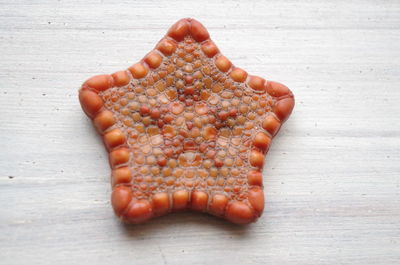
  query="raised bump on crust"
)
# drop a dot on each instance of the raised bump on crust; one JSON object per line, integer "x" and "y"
{"x": 262, "y": 141}
{"x": 271, "y": 125}
{"x": 138, "y": 70}
{"x": 223, "y": 64}
{"x": 153, "y": 59}
{"x": 103, "y": 121}
{"x": 218, "y": 204}
{"x": 167, "y": 47}
{"x": 256, "y": 199}
{"x": 256, "y": 158}
{"x": 257, "y": 83}
{"x": 198, "y": 31}
{"x": 238, "y": 75}
{"x": 121, "y": 78}
{"x": 254, "y": 178}
{"x": 179, "y": 30}
{"x": 121, "y": 175}
{"x": 118, "y": 157}
{"x": 239, "y": 213}
{"x": 199, "y": 201}
{"x": 283, "y": 108}
{"x": 209, "y": 48}
{"x": 91, "y": 102}
{"x": 99, "y": 82}
{"x": 121, "y": 196}
{"x": 138, "y": 212}
{"x": 180, "y": 200}
{"x": 160, "y": 203}
{"x": 114, "y": 138}
{"x": 276, "y": 89}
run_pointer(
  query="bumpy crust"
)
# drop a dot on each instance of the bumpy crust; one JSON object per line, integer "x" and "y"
{"x": 186, "y": 130}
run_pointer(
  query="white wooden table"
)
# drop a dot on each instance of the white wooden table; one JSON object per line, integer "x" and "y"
{"x": 332, "y": 177}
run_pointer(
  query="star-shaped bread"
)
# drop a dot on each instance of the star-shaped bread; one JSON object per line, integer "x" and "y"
{"x": 186, "y": 130}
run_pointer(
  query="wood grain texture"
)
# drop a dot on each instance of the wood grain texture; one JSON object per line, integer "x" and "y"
{"x": 332, "y": 177}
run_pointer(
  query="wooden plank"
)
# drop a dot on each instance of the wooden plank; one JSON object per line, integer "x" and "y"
{"x": 332, "y": 178}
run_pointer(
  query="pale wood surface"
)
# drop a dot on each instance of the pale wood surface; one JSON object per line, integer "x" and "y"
{"x": 332, "y": 176}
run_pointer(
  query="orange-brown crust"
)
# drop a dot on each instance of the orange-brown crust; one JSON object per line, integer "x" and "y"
{"x": 191, "y": 134}
{"x": 283, "y": 108}
{"x": 118, "y": 157}
{"x": 254, "y": 178}
{"x": 91, "y": 102}
{"x": 199, "y": 201}
{"x": 209, "y": 48}
{"x": 256, "y": 199}
{"x": 238, "y": 75}
{"x": 271, "y": 124}
{"x": 99, "y": 82}
{"x": 121, "y": 175}
{"x": 256, "y": 158}
{"x": 261, "y": 140}
{"x": 166, "y": 46}
{"x": 180, "y": 200}
{"x": 121, "y": 78}
{"x": 103, "y": 121}
{"x": 257, "y": 83}
{"x": 138, "y": 70}
{"x": 223, "y": 64}
{"x": 240, "y": 213}
{"x": 138, "y": 212}
{"x": 218, "y": 204}
{"x": 153, "y": 59}
{"x": 120, "y": 199}
{"x": 160, "y": 203}
{"x": 114, "y": 138}
{"x": 179, "y": 30}
{"x": 198, "y": 31}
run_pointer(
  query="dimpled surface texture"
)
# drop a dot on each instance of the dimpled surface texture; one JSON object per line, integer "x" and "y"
{"x": 186, "y": 129}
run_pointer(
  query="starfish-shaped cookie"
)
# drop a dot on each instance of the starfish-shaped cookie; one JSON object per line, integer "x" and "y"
{"x": 185, "y": 129}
